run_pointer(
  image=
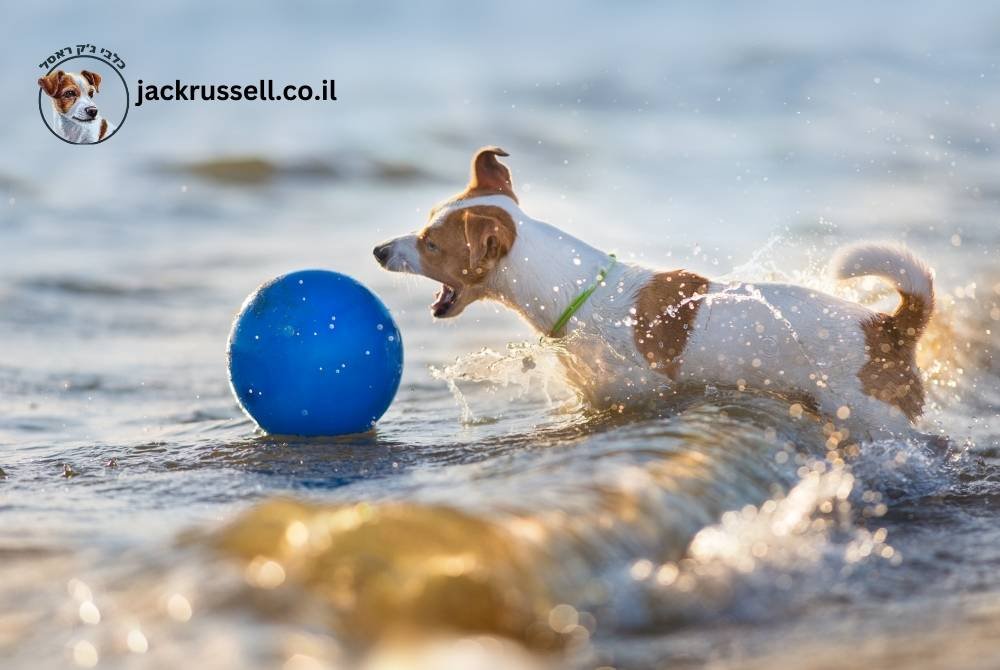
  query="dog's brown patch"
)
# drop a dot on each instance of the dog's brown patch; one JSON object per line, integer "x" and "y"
{"x": 891, "y": 374}
{"x": 461, "y": 250}
{"x": 61, "y": 88}
{"x": 466, "y": 244}
{"x": 92, "y": 77}
{"x": 104, "y": 129}
{"x": 665, "y": 311}
{"x": 50, "y": 82}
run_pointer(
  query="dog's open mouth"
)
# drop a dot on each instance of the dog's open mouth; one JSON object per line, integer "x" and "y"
{"x": 446, "y": 298}
{"x": 77, "y": 118}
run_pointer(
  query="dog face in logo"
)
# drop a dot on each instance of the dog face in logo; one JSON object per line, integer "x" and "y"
{"x": 76, "y": 116}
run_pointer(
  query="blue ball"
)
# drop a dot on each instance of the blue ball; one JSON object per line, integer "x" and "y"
{"x": 314, "y": 353}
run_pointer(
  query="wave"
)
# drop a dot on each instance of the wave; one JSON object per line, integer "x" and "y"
{"x": 697, "y": 505}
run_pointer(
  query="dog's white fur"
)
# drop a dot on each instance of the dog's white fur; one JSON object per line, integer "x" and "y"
{"x": 771, "y": 336}
{"x": 75, "y": 125}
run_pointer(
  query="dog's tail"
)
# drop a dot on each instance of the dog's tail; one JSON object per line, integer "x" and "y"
{"x": 909, "y": 275}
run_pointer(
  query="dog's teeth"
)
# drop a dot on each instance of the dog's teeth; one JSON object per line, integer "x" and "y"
{"x": 443, "y": 300}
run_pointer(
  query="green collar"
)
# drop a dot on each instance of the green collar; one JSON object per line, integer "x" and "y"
{"x": 579, "y": 300}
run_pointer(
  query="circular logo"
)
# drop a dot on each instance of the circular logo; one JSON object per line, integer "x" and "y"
{"x": 83, "y": 99}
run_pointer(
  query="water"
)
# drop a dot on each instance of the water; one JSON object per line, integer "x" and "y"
{"x": 493, "y": 519}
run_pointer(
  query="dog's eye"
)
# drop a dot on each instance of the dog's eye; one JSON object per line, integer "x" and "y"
{"x": 69, "y": 94}
{"x": 431, "y": 246}
{"x": 91, "y": 94}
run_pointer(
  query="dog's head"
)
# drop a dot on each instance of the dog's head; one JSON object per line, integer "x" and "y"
{"x": 73, "y": 94}
{"x": 464, "y": 240}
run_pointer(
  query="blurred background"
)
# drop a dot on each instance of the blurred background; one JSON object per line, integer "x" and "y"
{"x": 728, "y": 138}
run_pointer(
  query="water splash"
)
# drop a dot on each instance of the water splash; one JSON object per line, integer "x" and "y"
{"x": 529, "y": 369}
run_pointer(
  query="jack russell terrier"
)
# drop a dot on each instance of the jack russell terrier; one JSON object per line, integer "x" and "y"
{"x": 75, "y": 116}
{"x": 625, "y": 327}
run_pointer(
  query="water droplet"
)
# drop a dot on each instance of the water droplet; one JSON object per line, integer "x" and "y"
{"x": 85, "y": 654}
{"x": 641, "y": 569}
{"x": 667, "y": 574}
{"x": 179, "y": 608}
{"x": 89, "y": 613}
{"x": 265, "y": 573}
{"x": 563, "y": 618}
{"x": 297, "y": 534}
{"x": 137, "y": 642}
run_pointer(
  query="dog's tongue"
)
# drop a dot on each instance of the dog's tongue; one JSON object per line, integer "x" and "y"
{"x": 445, "y": 298}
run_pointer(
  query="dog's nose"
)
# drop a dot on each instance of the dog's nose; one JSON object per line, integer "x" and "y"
{"x": 91, "y": 112}
{"x": 381, "y": 253}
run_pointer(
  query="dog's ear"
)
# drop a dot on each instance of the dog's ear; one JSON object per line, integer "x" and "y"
{"x": 490, "y": 175}
{"x": 50, "y": 82}
{"x": 93, "y": 78}
{"x": 488, "y": 238}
